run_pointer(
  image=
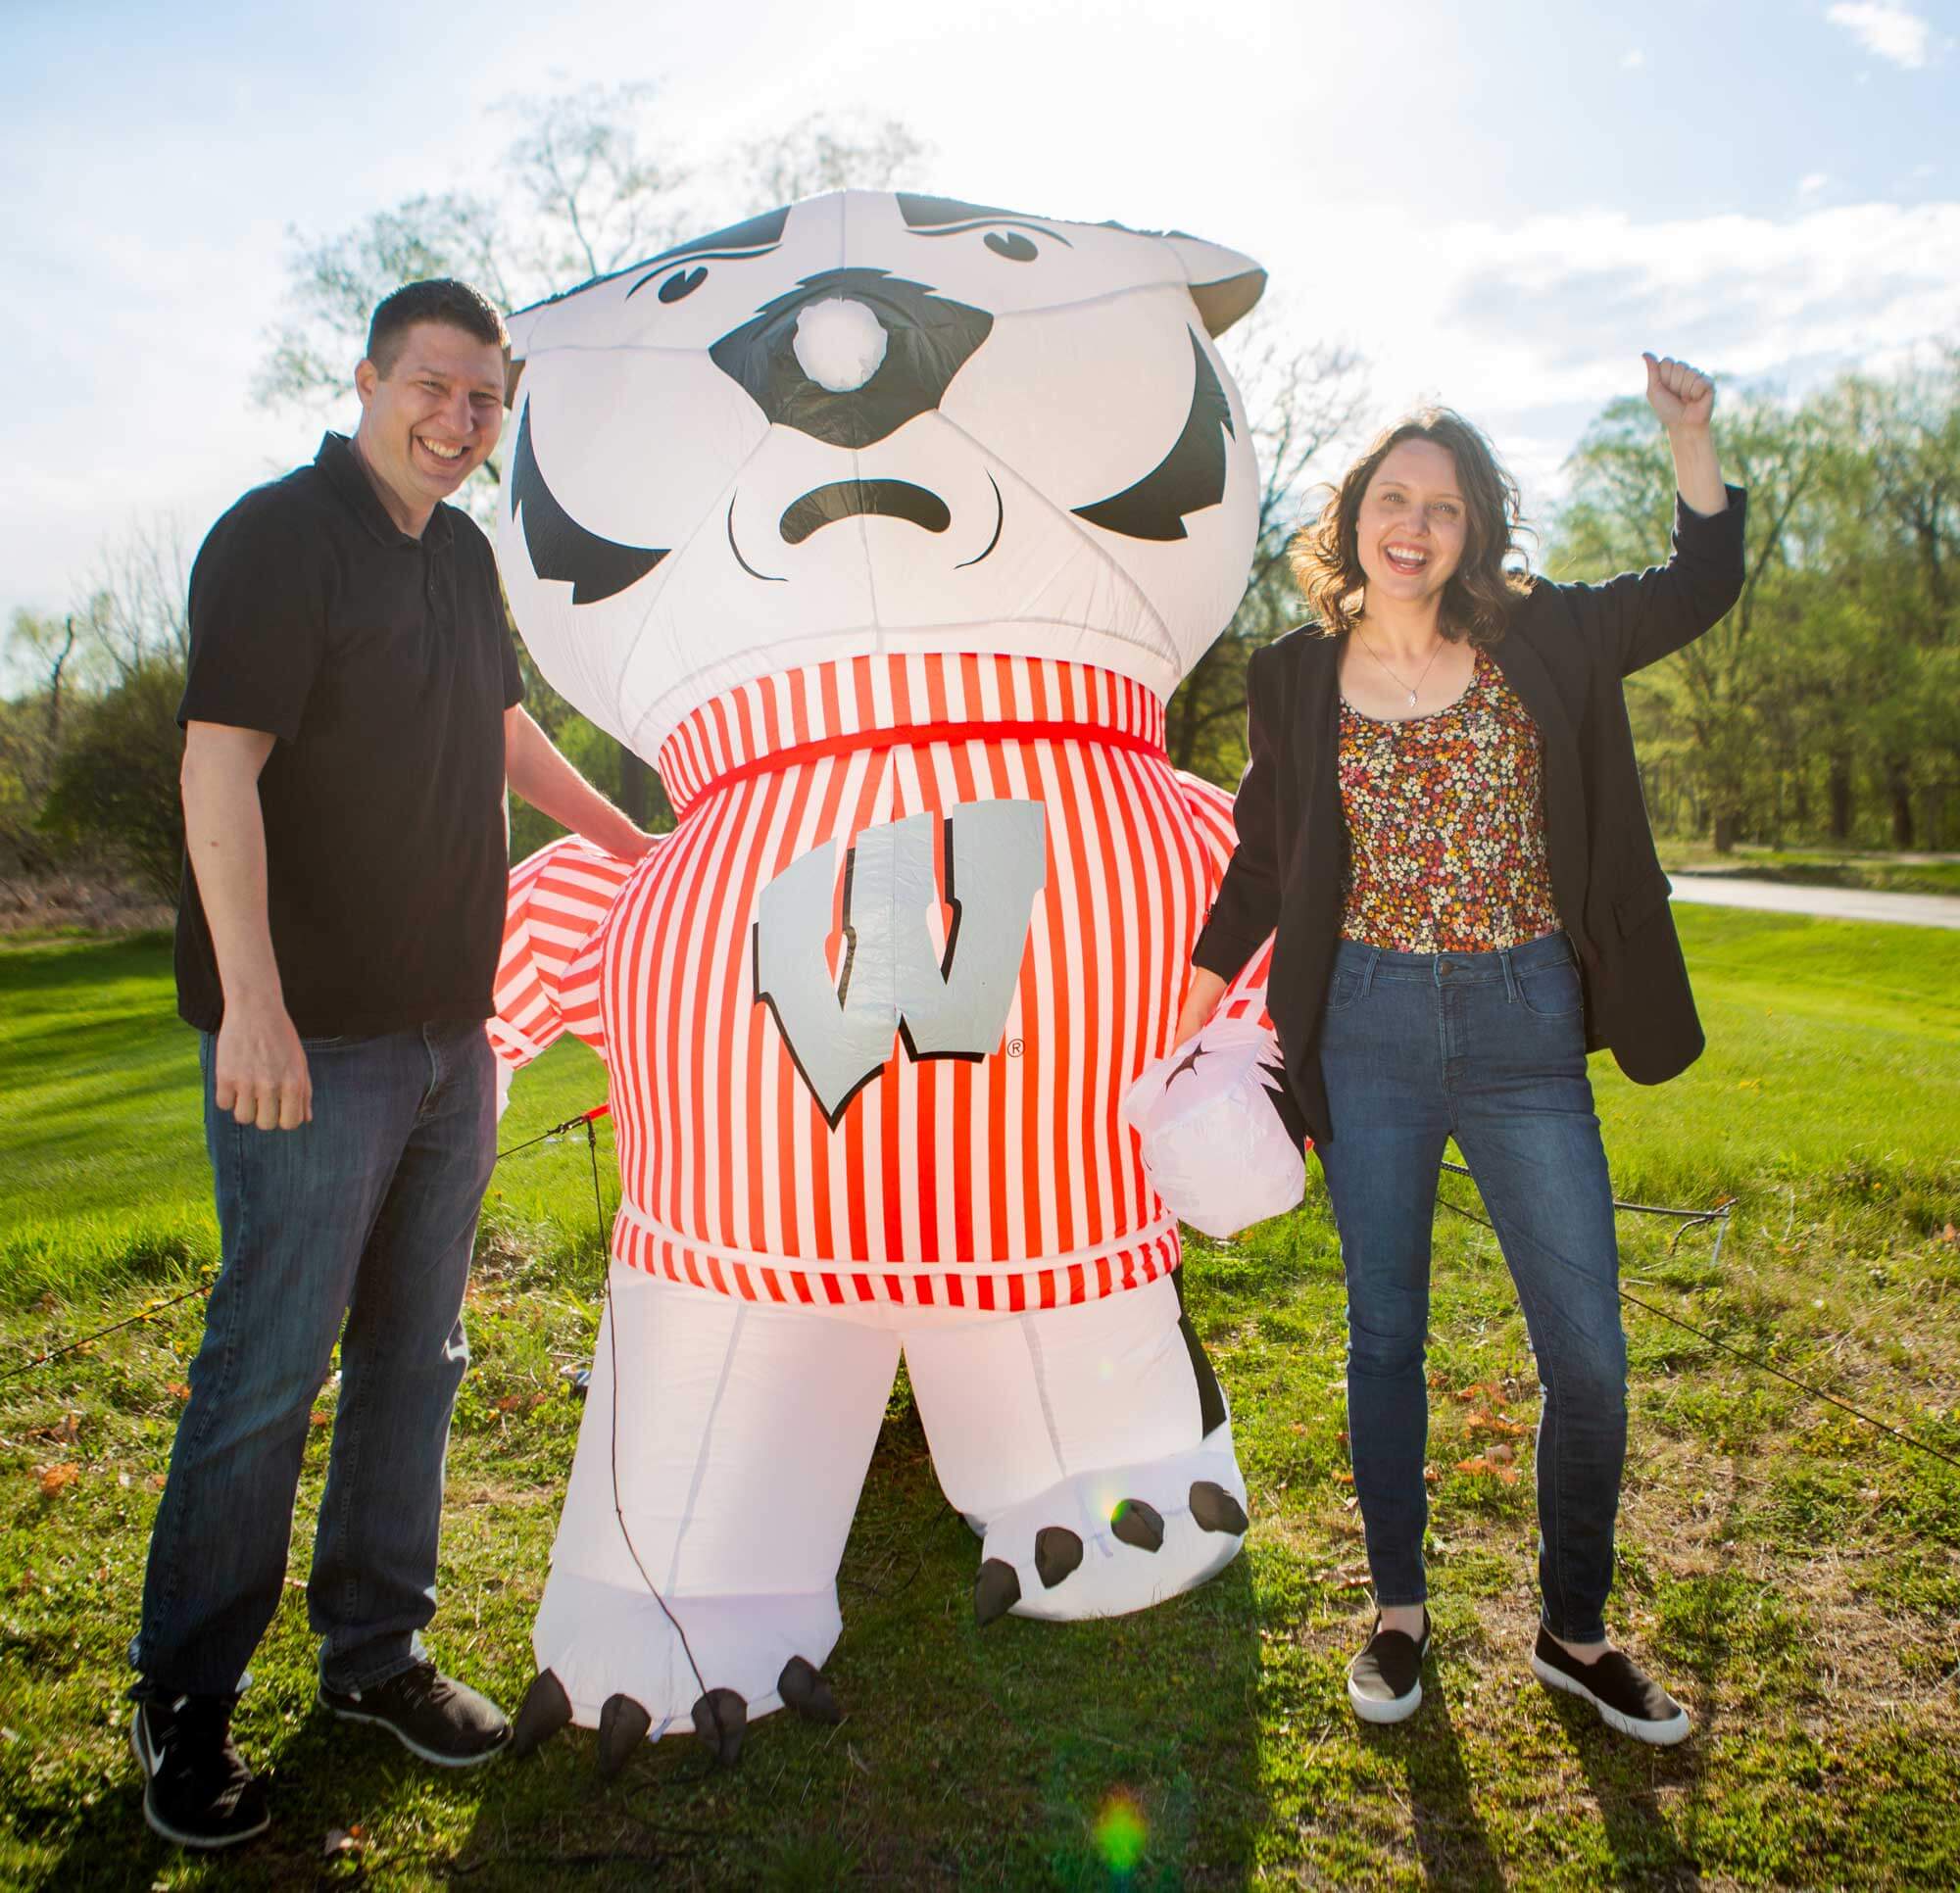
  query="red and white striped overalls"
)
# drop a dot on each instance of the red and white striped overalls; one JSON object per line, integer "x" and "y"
{"x": 995, "y": 1184}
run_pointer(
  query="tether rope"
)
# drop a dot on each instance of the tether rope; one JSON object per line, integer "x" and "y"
{"x": 587, "y": 1120}
{"x": 1693, "y": 1217}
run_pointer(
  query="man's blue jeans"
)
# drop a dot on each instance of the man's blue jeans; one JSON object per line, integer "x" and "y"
{"x": 367, "y": 1216}
{"x": 1489, "y": 1048}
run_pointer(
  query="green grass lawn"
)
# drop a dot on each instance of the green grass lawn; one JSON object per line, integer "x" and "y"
{"x": 1794, "y": 1574}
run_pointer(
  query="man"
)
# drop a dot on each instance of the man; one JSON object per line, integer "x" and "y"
{"x": 350, "y": 717}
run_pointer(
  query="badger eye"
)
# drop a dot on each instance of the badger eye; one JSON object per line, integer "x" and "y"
{"x": 1012, "y": 245}
{"x": 684, "y": 282}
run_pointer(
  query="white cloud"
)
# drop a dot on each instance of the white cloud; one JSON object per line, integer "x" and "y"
{"x": 1892, "y": 32}
{"x": 1634, "y": 60}
{"x": 1532, "y": 327}
{"x": 1814, "y": 184}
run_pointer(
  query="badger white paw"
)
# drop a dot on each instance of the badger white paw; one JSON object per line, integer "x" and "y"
{"x": 1117, "y": 1539}
{"x": 615, "y": 1660}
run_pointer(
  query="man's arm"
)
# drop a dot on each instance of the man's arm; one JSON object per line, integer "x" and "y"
{"x": 261, "y": 1076}
{"x": 554, "y": 788}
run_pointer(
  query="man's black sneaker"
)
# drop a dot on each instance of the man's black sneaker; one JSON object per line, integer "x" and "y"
{"x": 1384, "y": 1681}
{"x": 197, "y": 1790}
{"x": 1627, "y": 1699}
{"x": 444, "y": 1722}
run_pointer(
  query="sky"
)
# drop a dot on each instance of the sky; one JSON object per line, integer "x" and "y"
{"x": 1498, "y": 206}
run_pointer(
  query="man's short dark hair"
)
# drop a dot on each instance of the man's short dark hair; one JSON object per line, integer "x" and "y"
{"x": 442, "y": 298}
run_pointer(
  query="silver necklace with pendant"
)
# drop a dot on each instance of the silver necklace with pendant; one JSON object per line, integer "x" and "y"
{"x": 1402, "y": 683}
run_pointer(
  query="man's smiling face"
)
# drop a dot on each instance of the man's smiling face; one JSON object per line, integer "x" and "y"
{"x": 430, "y": 419}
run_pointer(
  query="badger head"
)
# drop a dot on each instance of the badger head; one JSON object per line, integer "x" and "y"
{"x": 871, "y": 423}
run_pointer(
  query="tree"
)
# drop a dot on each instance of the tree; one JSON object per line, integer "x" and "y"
{"x": 828, "y": 153}
{"x": 1826, "y": 702}
{"x": 1899, "y": 549}
{"x": 116, "y": 782}
{"x": 1299, "y": 404}
{"x": 1710, "y": 698}
{"x": 44, "y": 648}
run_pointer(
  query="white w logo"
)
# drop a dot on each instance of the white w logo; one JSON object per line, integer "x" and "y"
{"x": 840, "y": 1034}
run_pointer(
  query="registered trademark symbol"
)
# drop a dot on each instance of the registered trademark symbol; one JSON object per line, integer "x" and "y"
{"x": 1014, "y": 1048}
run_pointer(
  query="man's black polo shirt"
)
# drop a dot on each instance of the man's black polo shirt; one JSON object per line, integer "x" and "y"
{"x": 383, "y": 665}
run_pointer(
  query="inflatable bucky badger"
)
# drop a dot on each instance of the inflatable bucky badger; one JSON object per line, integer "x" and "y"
{"x": 883, "y": 526}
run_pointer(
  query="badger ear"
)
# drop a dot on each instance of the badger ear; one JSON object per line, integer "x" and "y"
{"x": 1224, "y": 283}
{"x": 519, "y": 328}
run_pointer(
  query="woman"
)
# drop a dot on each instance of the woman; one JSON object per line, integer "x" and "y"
{"x": 1442, "y": 821}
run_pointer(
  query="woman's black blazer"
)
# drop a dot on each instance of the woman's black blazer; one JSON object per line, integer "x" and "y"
{"x": 1564, "y": 655}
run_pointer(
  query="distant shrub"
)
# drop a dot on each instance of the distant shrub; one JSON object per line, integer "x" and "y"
{"x": 116, "y": 784}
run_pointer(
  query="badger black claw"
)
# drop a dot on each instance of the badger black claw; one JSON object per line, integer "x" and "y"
{"x": 623, "y": 1728}
{"x": 720, "y": 1720}
{"x": 1216, "y": 1510}
{"x": 1057, "y": 1552}
{"x": 1139, "y": 1525}
{"x": 995, "y": 1592}
{"x": 802, "y": 1687}
{"x": 545, "y": 1709}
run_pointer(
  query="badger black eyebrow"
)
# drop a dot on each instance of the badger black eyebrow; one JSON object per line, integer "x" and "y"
{"x": 948, "y": 216}
{"x": 695, "y": 255}
{"x": 755, "y": 238}
{"x": 997, "y": 224}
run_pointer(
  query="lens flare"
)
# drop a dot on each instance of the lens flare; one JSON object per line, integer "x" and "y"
{"x": 1121, "y": 1833}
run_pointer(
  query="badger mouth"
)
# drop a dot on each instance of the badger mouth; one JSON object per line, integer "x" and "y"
{"x": 824, "y": 505}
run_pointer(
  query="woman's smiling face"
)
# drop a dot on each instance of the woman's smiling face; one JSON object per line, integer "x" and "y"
{"x": 1413, "y": 524}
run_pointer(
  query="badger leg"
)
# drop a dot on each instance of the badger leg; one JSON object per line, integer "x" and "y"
{"x": 1092, "y": 1449}
{"x": 693, "y": 1587}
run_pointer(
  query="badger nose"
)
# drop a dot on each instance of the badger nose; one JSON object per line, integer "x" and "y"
{"x": 850, "y": 356}
{"x": 840, "y": 344}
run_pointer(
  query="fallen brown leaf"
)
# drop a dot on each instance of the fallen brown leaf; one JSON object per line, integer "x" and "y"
{"x": 177, "y": 1389}
{"x": 1481, "y": 1463}
{"x": 55, "y": 1479}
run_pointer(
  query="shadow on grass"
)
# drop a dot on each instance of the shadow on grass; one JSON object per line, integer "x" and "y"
{"x": 1450, "y": 1838}
{"x": 1624, "y": 1776}
{"x": 1120, "y": 1751}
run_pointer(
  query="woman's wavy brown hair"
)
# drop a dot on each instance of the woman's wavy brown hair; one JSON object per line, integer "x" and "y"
{"x": 1478, "y": 600}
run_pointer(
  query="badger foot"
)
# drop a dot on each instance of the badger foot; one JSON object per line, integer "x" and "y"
{"x": 600, "y": 1644}
{"x": 545, "y": 1709}
{"x": 1114, "y": 1539}
{"x": 622, "y": 1726}
{"x": 995, "y": 1592}
{"x": 1215, "y": 1509}
{"x": 1136, "y": 1524}
{"x": 805, "y": 1689}
{"x": 721, "y": 1719}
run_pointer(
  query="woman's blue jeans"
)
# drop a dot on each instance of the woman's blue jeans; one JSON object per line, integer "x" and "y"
{"x": 1487, "y": 1048}
{"x": 356, "y": 1228}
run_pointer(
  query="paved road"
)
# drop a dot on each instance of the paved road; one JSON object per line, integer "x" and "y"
{"x": 1833, "y": 904}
